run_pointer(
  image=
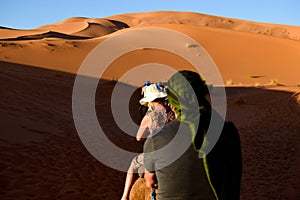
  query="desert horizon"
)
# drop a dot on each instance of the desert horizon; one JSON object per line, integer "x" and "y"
{"x": 42, "y": 155}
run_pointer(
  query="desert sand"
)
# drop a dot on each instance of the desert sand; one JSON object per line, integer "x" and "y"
{"x": 42, "y": 156}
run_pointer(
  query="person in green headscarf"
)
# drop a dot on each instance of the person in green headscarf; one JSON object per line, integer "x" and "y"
{"x": 174, "y": 154}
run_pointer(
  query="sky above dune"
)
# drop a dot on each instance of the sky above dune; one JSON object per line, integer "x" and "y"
{"x": 34, "y": 13}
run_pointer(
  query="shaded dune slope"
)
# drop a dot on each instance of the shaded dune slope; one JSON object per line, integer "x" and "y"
{"x": 95, "y": 30}
{"x": 42, "y": 156}
{"x": 50, "y": 34}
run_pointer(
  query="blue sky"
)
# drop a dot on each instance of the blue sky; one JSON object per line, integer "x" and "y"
{"x": 29, "y": 14}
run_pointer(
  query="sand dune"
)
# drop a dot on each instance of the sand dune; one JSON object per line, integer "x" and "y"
{"x": 189, "y": 18}
{"x": 38, "y": 127}
{"x": 14, "y": 33}
{"x": 80, "y": 26}
{"x": 232, "y": 45}
{"x": 43, "y": 157}
{"x": 76, "y": 24}
{"x": 95, "y": 30}
{"x": 67, "y": 26}
{"x": 41, "y": 154}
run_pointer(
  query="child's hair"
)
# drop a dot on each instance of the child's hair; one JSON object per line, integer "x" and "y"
{"x": 163, "y": 101}
{"x": 142, "y": 111}
{"x": 143, "y": 108}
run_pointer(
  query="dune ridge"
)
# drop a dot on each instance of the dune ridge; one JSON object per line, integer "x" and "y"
{"x": 198, "y": 19}
{"x": 72, "y": 28}
{"x": 49, "y": 34}
{"x": 117, "y": 22}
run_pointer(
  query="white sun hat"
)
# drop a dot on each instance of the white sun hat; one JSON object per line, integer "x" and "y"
{"x": 152, "y": 92}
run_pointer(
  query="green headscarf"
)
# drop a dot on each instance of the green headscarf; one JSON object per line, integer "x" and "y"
{"x": 186, "y": 93}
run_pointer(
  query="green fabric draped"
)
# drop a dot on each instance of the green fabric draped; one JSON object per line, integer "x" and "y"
{"x": 189, "y": 102}
{"x": 186, "y": 93}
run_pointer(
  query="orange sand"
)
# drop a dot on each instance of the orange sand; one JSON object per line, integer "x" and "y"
{"x": 42, "y": 156}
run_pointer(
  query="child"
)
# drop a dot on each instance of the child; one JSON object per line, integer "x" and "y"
{"x": 154, "y": 119}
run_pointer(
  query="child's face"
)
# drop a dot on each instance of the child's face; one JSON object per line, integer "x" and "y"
{"x": 173, "y": 110}
{"x": 150, "y": 104}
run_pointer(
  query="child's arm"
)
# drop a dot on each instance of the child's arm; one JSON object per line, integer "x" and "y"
{"x": 150, "y": 179}
{"x": 145, "y": 123}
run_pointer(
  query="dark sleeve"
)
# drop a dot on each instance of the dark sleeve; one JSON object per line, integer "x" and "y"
{"x": 225, "y": 164}
{"x": 149, "y": 155}
{"x": 233, "y": 163}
